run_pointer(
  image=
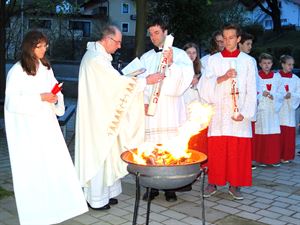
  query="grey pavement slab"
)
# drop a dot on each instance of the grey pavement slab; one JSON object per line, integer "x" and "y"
{"x": 274, "y": 198}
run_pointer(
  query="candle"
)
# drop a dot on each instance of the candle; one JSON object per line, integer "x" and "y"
{"x": 57, "y": 88}
{"x": 269, "y": 87}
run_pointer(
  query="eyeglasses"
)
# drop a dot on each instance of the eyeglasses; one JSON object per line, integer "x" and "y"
{"x": 118, "y": 42}
{"x": 42, "y": 46}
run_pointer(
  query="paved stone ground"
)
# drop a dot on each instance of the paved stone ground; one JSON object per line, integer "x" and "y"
{"x": 273, "y": 199}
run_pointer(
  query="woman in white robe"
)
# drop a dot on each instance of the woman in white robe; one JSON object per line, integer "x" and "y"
{"x": 46, "y": 186}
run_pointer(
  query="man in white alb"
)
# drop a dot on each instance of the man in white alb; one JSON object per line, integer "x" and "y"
{"x": 170, "y": 112}
{"x": 110, "y": 118}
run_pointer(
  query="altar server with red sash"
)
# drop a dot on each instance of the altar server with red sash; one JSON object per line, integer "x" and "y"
{"x": 229, "y": 135}
{"x": 291, "y": 87}
{"x": 267, "y": 127}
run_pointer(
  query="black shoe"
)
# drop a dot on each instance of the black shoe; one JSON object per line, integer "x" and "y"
{"x": 100, "y": 208}
{"x": 184, "y": 188}
{"x": 153, "y": 194}
{"x": 170, "y": 196}
{"x": 113, "y": 201}
{"x": 253, "y": 167}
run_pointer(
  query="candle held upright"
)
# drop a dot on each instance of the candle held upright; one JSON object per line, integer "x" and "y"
{"x": 57, "y": 88}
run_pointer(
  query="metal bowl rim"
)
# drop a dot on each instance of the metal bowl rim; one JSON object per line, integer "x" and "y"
{"x": 155, "y": 166}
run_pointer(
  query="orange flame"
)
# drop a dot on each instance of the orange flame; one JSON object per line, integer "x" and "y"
{"x": 176, "y": 149}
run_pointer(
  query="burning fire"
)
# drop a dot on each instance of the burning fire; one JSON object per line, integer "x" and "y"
{"x": 175, "y": 151}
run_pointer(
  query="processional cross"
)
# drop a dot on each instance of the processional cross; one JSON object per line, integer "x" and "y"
{"x": 235, "y": 96}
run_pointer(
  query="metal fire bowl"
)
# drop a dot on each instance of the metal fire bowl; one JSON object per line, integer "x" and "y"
{"x": 166, "y": 176}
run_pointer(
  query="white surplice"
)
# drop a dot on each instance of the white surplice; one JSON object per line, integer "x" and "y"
{"x": 170, "y": 111}
{"x": 267, "y": 118}
{"x": 110, "y": 118}
{"x": 220, "y": 96}
{"x": 287, "y": 113}
{"x": 46, "y": 186}
{"x": 205, "y": 85}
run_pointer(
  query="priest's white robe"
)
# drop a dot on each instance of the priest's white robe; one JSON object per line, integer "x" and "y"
{"x": 170, "y": 111}
{"x": 46, "y": 186}
{"x": 110, "y": 118}
{"x": 221, "y": 123}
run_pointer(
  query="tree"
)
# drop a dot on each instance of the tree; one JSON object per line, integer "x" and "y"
{"x": 189, "y": 20}
{"x": 10, "y": 10}
{"x": 272, "y": 9}
{"x": 140, "y": 29}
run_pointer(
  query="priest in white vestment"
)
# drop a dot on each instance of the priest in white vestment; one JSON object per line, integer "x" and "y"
{"x": 110, "y": 118}
{"x": 46, "y": 186}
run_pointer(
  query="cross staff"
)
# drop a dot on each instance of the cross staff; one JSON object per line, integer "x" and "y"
{"x": 235, "y": 95}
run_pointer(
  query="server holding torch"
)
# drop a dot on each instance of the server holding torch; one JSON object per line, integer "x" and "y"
{"x": 167, "y": 112}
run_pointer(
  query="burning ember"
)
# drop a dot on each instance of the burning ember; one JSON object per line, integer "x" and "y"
{"x": 175, "y": 151}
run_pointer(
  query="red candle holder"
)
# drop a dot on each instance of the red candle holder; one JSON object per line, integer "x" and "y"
{"x": 286, "y": 87}
{"x": 57, "y": 88}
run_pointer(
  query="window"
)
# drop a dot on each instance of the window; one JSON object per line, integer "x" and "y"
{"x": 125, "y": 27}
{"x": 39, "y": 23}
{"x": 84, "y": 26}
{"x": 125, "y": 8}
{"x": 268, "y": 23}
{"x": 283, "y": 21}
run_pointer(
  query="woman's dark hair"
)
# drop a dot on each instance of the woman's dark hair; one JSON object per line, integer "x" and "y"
{"x": 28, "y": 60}
{"x": 196, "y": 62}
{"x": 213, "y": 45}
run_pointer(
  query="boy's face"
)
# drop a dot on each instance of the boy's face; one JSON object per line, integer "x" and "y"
{"x": 246, "y": 46}
{"x": 266, "y": 65}
{"x": 231, "y": 39}
{"x": 288, "y": 66}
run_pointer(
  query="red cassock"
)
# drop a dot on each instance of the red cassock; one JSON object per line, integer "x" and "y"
{"x": 253, "y": 140}
{"x": 267, "y": 148}
{"x": 198, "y": 142}
{"x": 288, "y": 145}
{"x": 229, "y": 160}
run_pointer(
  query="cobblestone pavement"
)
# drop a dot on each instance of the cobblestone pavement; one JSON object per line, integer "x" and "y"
{"x": 273, "y": 199}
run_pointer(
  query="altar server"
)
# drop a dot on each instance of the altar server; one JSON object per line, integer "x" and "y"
{"x": 287, "y": 114}
{"x": 170, "y": 112}
{"x": 267, "y": 127}
{"x": 234, "y": 100}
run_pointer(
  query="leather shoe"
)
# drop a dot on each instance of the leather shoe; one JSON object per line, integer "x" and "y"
{"x": 153, "y": 194}
{"x": 170, "y": 196}
{"x": 100, "y": 208}
{"x": 113, "y": 201}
